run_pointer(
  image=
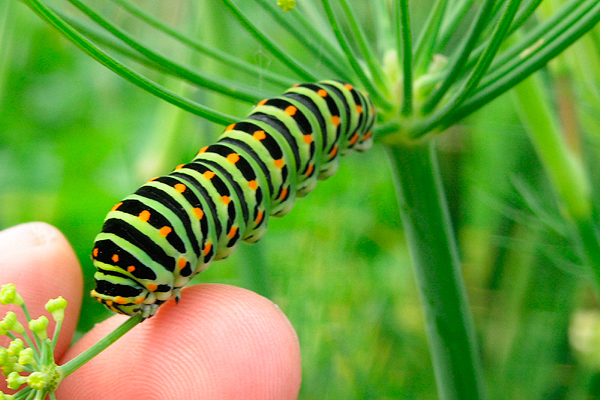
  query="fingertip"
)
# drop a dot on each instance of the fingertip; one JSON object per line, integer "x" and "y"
{"x": 39, "y": 260}
{"x": 23, "y": 236}
{"x": 219, "y": 342}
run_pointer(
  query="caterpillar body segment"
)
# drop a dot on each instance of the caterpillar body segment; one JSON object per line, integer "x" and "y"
{"x": 155, "y": 240}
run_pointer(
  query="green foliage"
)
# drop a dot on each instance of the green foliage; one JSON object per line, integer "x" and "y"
{"x": 75, "y": 138}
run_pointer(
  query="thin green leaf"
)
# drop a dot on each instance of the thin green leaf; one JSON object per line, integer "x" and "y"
{"x": 269, "y": 44}
{"x": 372, "y": 61}
{"x": 6, "y": 41}
{"x": 498, "y": 36}
{"x": 215, "y": 53}
{"x": 312, "y": 38}
{"x": 523, "y": 15}
{"x": 382, "y": 130}
{"x": 582, "y": 20}
{"x": 125, "y": 72}
{"x": 458, "y": 62}
{"x": 108, "y": 41}
{"x": 352, "y": 59}
{"x": 492, "y": 22}
{"x": 545, "y": 32}
{"x": 564, "y": 171}
{"x": 383, "y": 27}
{"x": 403, "y": 18}
{"x": 230, "y": 88}
{"x": 451, "y": 24}
{"x": 585, "y": 19}
{"x": 427, "y": 38}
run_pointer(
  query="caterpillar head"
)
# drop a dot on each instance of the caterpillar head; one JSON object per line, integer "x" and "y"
{"x": 120, "y": 293}
{"x": 114, "y": 288}
{"x": 106, "y": 293}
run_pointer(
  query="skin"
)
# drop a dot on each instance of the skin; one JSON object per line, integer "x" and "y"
{"x": 219, "y": 342}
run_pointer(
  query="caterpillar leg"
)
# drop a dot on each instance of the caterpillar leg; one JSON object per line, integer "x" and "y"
{"x": 148, "y": 310}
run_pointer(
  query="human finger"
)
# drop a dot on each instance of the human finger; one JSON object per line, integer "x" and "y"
{"x": 39, "y": 260}
{"x": 219, "y": 342}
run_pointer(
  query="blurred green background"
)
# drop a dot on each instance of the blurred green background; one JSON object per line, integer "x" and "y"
{"x": 75, "y": 138}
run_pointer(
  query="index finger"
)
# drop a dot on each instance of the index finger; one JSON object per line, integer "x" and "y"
{"x": 220, "y": 342}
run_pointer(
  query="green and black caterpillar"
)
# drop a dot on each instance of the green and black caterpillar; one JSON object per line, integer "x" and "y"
{"x": 155, "y": 240}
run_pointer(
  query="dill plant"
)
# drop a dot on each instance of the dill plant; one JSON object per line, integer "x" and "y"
{"x": 423, "y": 81}
{"x": 28, "y": 364}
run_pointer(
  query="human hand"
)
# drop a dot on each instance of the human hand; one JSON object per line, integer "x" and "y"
{"x": 219, "y": 342}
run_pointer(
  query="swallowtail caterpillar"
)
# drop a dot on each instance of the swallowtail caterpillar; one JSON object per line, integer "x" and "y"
{"x": 155, "y": 240}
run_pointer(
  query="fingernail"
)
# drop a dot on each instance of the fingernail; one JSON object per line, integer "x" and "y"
{"x": 29, "y": 235}
{"x": 44, "y": 232}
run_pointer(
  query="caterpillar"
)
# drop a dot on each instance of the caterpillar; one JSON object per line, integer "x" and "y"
{"x": 155, "y": 240}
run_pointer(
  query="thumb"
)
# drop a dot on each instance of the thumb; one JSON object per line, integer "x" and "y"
{"x": 37, "y": 258}
{"x": 220, "y": 342}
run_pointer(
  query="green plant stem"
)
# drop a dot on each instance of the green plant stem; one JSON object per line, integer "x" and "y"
{"x": 69, "y": 367}
{"x": 57, "y": 329}
{"x": 25, "y": 393}
{"x": 26, "y": 335}
{"x": 403, "y": 18}
{"x": 387, "y": 128}
{"x": 433, "y": 249}
{"x": 564, "y": 170}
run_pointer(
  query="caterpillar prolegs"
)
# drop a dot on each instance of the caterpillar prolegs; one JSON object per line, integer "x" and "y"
{"x": 155, "y": 240}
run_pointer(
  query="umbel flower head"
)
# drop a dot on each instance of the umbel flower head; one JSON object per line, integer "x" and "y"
{"x": 28, "y": 364}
